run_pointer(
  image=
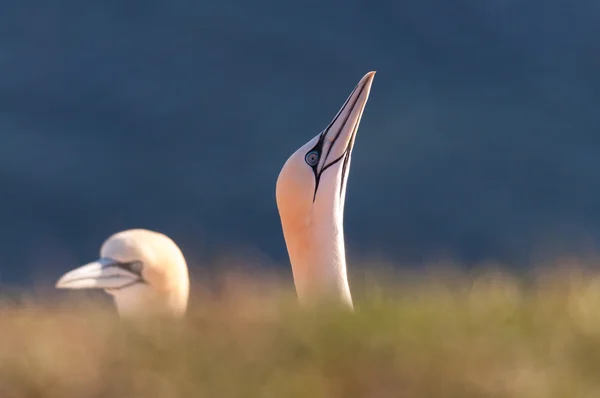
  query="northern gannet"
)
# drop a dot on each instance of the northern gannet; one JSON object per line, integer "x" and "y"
{"x": 144, "y": 271}
{"x": 310, "y": 194}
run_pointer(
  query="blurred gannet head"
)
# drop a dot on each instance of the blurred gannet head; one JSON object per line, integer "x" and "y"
{"x": 145, "y": 272}
{"x": 311, "y": 191}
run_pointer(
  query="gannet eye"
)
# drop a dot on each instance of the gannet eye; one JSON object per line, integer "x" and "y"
{"x": 137, "y": 267}
{"x": 312, "y": 158}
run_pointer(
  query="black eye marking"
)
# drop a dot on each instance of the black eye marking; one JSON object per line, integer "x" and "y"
{"x": 135, "y": 267}
{"x": 312, "y": 158}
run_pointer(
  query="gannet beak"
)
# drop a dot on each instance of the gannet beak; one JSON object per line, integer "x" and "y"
{"x": 101, "y": 274}
{"x": 341, "y": 131}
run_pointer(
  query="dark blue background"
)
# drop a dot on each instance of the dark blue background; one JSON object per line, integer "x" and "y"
{"x": 480, "y": 139}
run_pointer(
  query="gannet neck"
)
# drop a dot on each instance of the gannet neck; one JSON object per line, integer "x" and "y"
{"x": 317, "y": 255}
{"x": 310, "y": 192}
{"x": 144, "y": 271}
{"x": 140, "y": 301}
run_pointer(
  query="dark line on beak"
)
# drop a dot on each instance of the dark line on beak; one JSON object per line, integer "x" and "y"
{"x": 347, "y": 159}
{"x": 130, "y": 267}
{"x": 322, "y": 171}
{"x": 340, "y": 111}
{"x": 140, "y": 280}
{"x": 345, "y": 120}
{"x": 134, "y": 267}
{"x": 350, "y": 142}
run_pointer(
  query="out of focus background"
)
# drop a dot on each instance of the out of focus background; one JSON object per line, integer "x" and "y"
{"x": 479, "y": 141}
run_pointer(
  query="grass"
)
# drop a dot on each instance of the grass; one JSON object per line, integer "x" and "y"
{"x": 441, "y": 334}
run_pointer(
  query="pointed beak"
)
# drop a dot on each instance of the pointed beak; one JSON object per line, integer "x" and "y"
{"x": 101, "y": 274}
{"x": 341, "y": 131}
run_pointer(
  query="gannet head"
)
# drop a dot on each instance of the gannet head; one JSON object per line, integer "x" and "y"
{"x": 143, "y": 270}
{"x": 311, "y": 191}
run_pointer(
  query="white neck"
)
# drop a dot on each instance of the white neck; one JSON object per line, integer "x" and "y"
{"x": 317, "y": 254}
{"x": 141, "y": 300}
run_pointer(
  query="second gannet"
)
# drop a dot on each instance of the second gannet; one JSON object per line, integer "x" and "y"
{"x": 311, "y": 190}
{"x": 145, "y": 272}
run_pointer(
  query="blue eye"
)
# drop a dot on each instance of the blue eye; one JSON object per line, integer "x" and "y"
{"x": 312, "y": 158}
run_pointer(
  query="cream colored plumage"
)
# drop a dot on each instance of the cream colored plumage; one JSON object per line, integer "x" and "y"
{"x": 311, "y": 191}
{"x": 145, "y": 272}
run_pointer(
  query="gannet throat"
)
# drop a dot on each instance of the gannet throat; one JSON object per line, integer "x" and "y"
{"x": 311, "y": 192}
{"x": 143, "y": 270}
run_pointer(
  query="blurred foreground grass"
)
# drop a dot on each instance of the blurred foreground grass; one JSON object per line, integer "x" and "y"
{"x": 443, "y": 334}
